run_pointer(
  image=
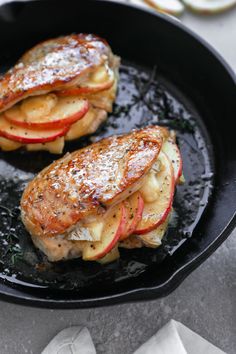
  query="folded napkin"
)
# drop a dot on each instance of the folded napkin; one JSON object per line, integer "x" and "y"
{"x": 173, "y": 338}
{"x": 72, "y": 340}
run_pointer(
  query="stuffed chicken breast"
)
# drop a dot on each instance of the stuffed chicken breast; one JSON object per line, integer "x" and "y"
{"x": 59, "y": 90}
{"x": 116, "y": 192}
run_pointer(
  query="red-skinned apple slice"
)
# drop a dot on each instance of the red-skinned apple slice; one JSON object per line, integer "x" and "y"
{"x": 153, "y": 238}
{"x": 112, "y": 256}
{"x": 74, "y": 91}
{"x": 134, "y": 206}
{"x": 47, "y": 112}
{"x": 126, "y": 219}
{"x": 101, "y": 80}
{"x": 29, "y": 136}
{"x": 113, "y": 227}
{"x": 171, "y": 149}
{"x": 156, "y": 212}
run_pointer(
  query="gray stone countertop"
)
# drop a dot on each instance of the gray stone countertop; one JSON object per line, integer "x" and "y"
{"x": 205, "y": 301}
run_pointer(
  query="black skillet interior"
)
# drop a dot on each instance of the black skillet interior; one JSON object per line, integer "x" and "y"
{"x": 168, "y": 77}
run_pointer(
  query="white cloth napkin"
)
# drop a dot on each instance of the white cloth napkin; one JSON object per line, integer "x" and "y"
{"x": 173, "y": 338}
{"x": 72, "y": 340}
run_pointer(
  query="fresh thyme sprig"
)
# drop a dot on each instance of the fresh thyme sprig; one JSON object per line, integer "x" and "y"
{"x": 142, "y": 88}
{"x": 157, "y": 102}
{"x": 8, "y": 211}
{"x": 13, "y": 249}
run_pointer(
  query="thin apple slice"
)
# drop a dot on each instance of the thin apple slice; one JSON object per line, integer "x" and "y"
{"x": 126, "y": 219}
{"x": 47, "y": 112}
{"x": 103, "y": 100}
{"x": 134, "y": 206}
{"x": 153, "y": 238}
{"x": 131, "y": 242}
{"x": 172, "y": 7}
{"x": 156, "y": 212}
{"x": 87, "y": 125}
{"x": 171, "y": 149}
{"x": 114, "y": 223}
{"x": 209, "y": 7}
{"x": 127, "y": 216}
{"x": 29, "y": 136}
{"x": 112, "y": 256}
{"x": 102, "y": 79}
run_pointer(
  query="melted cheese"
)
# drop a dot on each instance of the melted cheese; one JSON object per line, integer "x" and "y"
{"x": 87, "y": 125}
{"x": 55, "y": 147}
{"x": 150, "y": 189}
{"x": 38, "y": 106}
{"x": 9, "y": 145}
{"x": 87, "y": 232}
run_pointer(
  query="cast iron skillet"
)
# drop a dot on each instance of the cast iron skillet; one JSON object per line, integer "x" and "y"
{"x": 169, "y": 76}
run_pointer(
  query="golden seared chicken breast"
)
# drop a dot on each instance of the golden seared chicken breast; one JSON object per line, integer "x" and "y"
{"x": 59, "y": 90}
{"x": 115, "y": 192}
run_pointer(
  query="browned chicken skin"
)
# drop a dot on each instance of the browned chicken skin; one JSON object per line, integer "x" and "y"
{"x": 52, "y": 65}
{"x": 87, "y": 181}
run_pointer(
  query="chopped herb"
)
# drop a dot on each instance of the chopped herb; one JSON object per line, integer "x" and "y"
{"x": 13, "y": 249}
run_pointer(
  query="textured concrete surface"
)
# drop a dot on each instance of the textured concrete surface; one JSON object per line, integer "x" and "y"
{"x": 206, "y": 300}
